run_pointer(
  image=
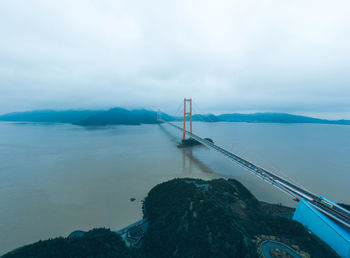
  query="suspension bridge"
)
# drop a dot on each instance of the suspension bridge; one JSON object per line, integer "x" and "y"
{"x": 332, "y": 210}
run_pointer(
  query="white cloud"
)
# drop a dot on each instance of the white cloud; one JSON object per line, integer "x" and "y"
{"x": 286, "y": 56}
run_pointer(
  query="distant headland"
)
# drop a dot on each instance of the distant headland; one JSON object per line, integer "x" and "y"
{"x": 121, "y": 116}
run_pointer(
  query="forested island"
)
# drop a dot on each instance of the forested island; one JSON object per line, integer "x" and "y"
{"x": 122, "y": 116}
{"x": 194, "y": 218}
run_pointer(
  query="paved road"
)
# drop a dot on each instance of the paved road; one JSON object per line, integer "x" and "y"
{"x": 269, "y": 245}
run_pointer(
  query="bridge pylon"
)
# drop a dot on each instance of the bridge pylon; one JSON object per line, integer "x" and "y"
{"x": 159, "y": 115}
{"x": 190, "y": 141}
{"x": 185, "y": 114}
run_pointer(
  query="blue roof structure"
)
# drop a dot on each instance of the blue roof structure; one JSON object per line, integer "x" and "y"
{"x": 334, "y": 234}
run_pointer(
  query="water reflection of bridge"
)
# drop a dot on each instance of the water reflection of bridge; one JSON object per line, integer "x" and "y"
{"x": 188, "y": 159}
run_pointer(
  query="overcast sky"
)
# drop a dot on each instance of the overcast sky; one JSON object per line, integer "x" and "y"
{"x": 229, "y": 56}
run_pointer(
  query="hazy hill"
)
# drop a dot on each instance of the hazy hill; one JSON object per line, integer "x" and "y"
{"x": 263, "y": 118}
{"x": 111, "y": 117}
{"x": 276, "y": 118}
{"x": 52, "y": 116}
{"x": 116, "y": 116}
{"x": 193, "y": 218}
{"x": 120, "y": 116}
{"x": 205, "y": 118}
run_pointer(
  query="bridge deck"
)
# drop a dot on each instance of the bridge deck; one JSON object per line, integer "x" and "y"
{"x": 333, "y": 211}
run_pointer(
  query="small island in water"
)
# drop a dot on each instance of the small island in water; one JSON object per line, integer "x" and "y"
{"x": 195, "y": 218}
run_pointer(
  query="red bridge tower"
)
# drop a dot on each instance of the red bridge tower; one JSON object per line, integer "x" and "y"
{"x": 185, "y": 114}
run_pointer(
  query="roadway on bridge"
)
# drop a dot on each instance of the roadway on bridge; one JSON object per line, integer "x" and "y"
{"x": 332, "y": 210}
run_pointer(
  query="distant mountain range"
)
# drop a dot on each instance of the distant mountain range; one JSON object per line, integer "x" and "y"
{"x": 121, "y": 116}
{"x": 50, "y": 116}
{"x": 266, "y": 118}
{"x": 114, "y": 116}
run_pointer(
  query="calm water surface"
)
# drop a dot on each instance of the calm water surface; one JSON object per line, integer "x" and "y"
{"x": 57, "y": 178}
